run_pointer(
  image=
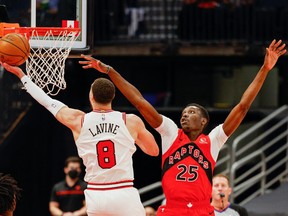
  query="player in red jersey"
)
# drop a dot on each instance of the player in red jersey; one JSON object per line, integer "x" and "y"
{"x": 189, "y": 156}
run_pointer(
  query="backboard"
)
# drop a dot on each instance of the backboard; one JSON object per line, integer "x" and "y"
{"x": 61, "y": 13}
{"x": 53, "y": 13}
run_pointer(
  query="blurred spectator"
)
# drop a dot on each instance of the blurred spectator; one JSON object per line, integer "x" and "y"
{"x": 67, "y": 196}
{"x": 47, "y": 11}
{"x": 135, "y": 18}
{"x": 221, "y": 191}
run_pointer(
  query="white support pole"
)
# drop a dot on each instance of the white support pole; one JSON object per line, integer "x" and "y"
{"x": 33, "y": 13}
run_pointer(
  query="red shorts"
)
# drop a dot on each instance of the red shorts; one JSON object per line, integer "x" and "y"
{"x": 186, "y": 209}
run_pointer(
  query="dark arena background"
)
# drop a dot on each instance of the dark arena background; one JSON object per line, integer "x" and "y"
{"x": 175, "y": 52}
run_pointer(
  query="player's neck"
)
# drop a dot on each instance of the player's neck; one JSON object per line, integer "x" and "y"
{"x": 193, "y": 135}
{"x": 97, "y": 106}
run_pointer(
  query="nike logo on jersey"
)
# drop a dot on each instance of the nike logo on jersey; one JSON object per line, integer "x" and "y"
{"x": 203, "y": 140}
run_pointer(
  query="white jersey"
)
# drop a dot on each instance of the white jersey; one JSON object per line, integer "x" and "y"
{"x": 106, "y": 147}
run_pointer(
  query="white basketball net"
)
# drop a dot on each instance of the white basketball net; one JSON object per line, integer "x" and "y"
{"x": 46, "y": 63}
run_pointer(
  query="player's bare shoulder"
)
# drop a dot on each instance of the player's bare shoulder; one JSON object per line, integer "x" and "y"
{"x": 133, "y": 120}
{"x": 134, "y": 123}
{"x": 70, "y": 117}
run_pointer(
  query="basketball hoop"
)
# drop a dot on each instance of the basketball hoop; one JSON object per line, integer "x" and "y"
{"x": 50, "y": 48}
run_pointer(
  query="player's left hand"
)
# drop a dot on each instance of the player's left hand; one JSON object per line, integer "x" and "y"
{"x": 273, "y": 52}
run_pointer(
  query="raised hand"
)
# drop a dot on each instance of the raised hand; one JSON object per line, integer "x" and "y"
{"x": 273, "y": 52}
{"x": 94, "y": 63}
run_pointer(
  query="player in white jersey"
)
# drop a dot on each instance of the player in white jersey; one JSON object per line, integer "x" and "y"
{"x": 114, "y": 143}
{"x": 105, "y": 140}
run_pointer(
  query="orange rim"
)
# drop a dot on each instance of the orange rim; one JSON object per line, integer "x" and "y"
{"x": 41, "y": 31}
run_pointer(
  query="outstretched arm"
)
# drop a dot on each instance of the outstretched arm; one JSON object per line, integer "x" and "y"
{"x": 273, "y": 52}
{"x": 149, "y": 113}
{"x": 67, "y": 116}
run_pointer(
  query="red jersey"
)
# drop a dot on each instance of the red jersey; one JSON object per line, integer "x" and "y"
{"x": 187, "y": 169}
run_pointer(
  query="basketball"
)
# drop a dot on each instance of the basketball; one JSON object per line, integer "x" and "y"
{"x": 14, "y": 49}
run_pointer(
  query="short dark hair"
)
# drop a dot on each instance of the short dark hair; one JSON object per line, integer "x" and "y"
{"x": 103, "y": 90}
{"x": 72, "y": 159}
{"x": 9, "y": 193}
{"x": 204, "y": 111}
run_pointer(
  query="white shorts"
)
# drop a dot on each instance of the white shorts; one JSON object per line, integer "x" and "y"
{"x": 117, "y": 202}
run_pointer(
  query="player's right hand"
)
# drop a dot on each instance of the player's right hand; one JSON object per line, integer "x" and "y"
{"x": 94, "y": 63}
{"x": 13, "y": 69}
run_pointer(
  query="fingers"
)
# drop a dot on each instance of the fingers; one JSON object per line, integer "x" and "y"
{"x": 94, "y": 63}
{"x": 6, "y": 66}
{"x": 278, "y": 43}
{"x": 86, "y": 57}
{"x": 272, "y": 44}
{"x": 86, "y": 66}
{"x": 280, "y": 48}
{"x": 13, "y": 69}
{"x": 84, "y": 62}
{"x": 277, "y": 47}
{"x": 282, "y": 52}
{"x": 10, "y": 67}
